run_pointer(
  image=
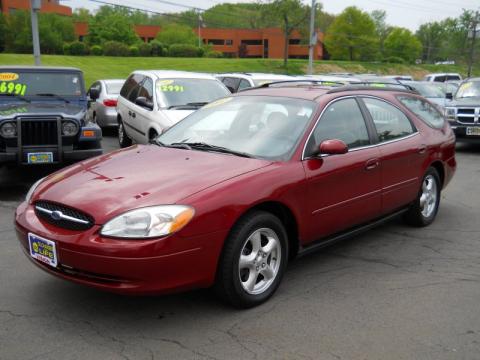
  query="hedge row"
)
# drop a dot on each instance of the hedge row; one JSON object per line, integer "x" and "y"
{"x": 154, "y": 48}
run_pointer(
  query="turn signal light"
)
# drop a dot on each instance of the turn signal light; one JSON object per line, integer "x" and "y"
{"x": 88, "y": 133}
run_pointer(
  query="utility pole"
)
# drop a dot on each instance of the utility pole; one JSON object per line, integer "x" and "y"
{"x": 313, "y": 38}
{"x": 476, "y": 20}
{"x": 200, "y": 20}
{"x": 36, "y": 4}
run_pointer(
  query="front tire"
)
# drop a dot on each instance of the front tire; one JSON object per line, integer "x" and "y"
{"x": 425, "y": 207}
{"x": 253, "y": 260}
{"x": 123, "y": 138}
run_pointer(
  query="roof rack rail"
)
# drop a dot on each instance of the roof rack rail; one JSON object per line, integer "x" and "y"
{"x": 375, "y": 85}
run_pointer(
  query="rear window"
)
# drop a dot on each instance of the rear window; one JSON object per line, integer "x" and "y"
{"x": 424, "y": 110}
{"x": 114, "y": 87}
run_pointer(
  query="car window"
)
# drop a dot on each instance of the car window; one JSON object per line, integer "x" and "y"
{"x": 424, "y": 110}
{"x": 453, "y": 77}
{"x": 231, "y": 83}
{"x": 390, "y": 122}
{"x": 341, "y": 120}
{"x": 133, "y": 95}
{"x": 146, "y": 90}
{"x": 262, "y": 126}
{"x": 244, "y": 84}
{"x": 113, "y": 87}
{"x": 440, "y": 78}
{"x": 130, "y": 84}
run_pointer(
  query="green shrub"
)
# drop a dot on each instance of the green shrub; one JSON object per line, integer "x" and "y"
{"x": 145, "y": 49}
{"x": 96, "y": 50}
{"x": 214, "y": 54}
{"x": 394, "y": 60}
{"x": 133, "y": 50}
{"x": 184, "y": 50}
{"x": 158, "y": 49}
{"x": 115, "y": 48}
{"x": 78, "y": 48}
{"x": 66, "y": 49}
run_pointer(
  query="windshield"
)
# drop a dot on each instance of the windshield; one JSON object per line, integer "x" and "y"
{"x": 30, "y": 83}
{"x": 177, "y": 92}
{"x": 468, "y": 89}
{"x": 429, "y": 90}
{"x": 114, "y": 87}
{"x": 260, "y": 126}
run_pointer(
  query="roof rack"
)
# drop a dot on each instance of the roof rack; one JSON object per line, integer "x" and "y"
{"x": 375, "y": 85}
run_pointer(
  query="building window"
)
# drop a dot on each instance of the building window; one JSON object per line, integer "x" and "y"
{"x": 216, "y": 41}
{"x": 80, "y": 38}
{"x": 251, "y": 42}
{"x": 294, "y": 41}
{"x": 228, "y": 42}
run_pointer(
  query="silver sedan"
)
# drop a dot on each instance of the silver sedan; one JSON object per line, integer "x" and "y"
{"x": 103, "y": 96}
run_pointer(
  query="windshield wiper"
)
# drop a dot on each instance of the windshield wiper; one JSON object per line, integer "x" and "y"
{"x": 177, "y": 145}
{"x": 54, "y": 95}
{"x": 207, "y": 147}
{"x": 188, "y": 106}
{"x": 16, "y": 96}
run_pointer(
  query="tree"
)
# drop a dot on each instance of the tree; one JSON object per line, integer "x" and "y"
{"x": 177, "y": 34}
{"x": 112, "y": 23}
{"x": 352, "y": 36}
{"x": 3, "y": 30}
{"x": 81, "y": 15}
{"x": 288, "y": 15}
{"x": 382, "y": 29}
{"x": 402, "y": 43}
{"x": 431, "y": 35}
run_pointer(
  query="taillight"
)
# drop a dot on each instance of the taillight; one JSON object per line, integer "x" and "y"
{"x": 110, "y": 102}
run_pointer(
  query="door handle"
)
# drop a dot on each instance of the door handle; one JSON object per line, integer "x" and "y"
{"x": 372, "y": 164}
{"x": 422, "y": 149}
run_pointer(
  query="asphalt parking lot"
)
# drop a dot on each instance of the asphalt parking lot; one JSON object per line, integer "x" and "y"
{"x": 392, "y": 293}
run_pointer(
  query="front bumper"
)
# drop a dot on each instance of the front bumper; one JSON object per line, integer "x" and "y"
{"x": 460, "y": 131}
{"x": 13, "y": 155}
{"x": 133, "y": 267}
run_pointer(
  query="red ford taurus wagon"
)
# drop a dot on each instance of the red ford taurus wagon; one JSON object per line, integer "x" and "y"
{"x": 228, "y": 195}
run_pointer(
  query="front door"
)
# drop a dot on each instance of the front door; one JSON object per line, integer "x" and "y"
{"x": 342, "y": 190}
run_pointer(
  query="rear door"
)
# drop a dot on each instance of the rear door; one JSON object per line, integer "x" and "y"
{"x": 342, "y": 190}
{"x": 401, "y": 153}
{"x": 124, "y": 106}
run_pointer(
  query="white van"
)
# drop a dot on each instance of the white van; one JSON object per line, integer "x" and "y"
{"x": 153, "y": 100}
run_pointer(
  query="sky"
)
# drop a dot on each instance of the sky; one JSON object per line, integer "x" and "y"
{"x": 405, "y": 13}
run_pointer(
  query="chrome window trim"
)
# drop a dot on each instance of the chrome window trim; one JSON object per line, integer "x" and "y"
{"x": 415, "y": 133}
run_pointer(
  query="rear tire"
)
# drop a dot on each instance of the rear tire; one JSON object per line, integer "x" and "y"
{"x": 253, "y": 260}
{"x": 425, "y": 207}
{"x": 123, "y": 138}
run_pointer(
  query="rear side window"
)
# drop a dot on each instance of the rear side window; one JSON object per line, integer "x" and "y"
{"x": 146, "y": 90}
{"x": 244, "y": 84}
{"x": 231, "y": 83}
{"x": 424, "y": 110}
{"x": 131, "y": 83}
{"x": 389, "y": 121}
{"x": 344, "y": 121}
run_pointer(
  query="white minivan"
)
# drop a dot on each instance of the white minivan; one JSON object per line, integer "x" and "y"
{"x": 151, "y": 101}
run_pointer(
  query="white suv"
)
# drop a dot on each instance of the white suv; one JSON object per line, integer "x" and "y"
{"x": 239, "y": 81}
{"x": 442, "y": 77}
{"x": 152, "y": 101}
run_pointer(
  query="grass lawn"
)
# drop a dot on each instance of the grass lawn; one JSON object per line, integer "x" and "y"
{"x": 103, "y": 67}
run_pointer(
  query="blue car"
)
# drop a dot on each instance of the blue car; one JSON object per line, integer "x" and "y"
{"x": 43, "y": 116}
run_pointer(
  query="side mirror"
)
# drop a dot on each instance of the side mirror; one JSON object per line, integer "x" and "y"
{"x": 143, "y": 102}
{"x": 94, "y": 94}
{"x": 332, "y": 147}
{"x": 449, "y": 96}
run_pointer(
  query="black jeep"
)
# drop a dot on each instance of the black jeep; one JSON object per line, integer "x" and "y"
{"x": 463, "y": 111}
{"x": 43, "y": 116}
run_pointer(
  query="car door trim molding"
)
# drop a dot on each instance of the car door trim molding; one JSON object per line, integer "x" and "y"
{"x": 346, "y": 202}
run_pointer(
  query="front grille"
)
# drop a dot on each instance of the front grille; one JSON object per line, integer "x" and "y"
{"x": 466, "y": 115}
{"x": 39, "y": 132}
{"x": 76, "y": 220}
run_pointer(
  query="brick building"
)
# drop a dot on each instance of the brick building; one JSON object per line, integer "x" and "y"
{"x": 48, "y": 6}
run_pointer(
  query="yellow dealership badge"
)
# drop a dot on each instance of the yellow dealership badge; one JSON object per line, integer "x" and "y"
{"x": 165, "y": 82}
{"x": 8, "y": 76}
{"x": 43, "y": 250}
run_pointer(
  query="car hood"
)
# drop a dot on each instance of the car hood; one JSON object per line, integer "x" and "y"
{"x": 9, "y": 110}
{"x": 175, "y": 116}
{"x": 471, "y": 102}
{"x": 140, "y": 176}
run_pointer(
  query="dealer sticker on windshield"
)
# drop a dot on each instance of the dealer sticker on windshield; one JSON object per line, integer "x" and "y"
{"x": 42, "y": 249}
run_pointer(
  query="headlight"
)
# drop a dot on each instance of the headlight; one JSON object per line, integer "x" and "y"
{"x": 149, "y": 222}
{"x": 450, "y": 113}
{"x": 69, "y": 128}
{"x": 8, "y": 130}
{"x": 32, "y": 189}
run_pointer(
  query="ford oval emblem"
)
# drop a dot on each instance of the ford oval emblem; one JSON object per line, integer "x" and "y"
{"x": 57, "y": 215}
